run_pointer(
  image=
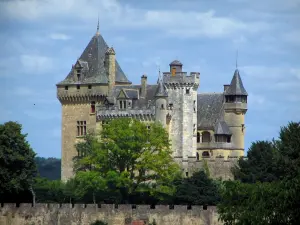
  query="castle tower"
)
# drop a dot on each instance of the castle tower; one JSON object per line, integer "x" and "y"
{"x": 161, "y": 96}
{"x": 235, "y": 107}
{"x": 85, "y": 87}
{"x": 182, "y": 99}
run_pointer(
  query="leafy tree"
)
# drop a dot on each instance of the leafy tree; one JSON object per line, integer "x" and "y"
{"x": 260, "y": 164}
{"x": 197, "y": 190}
{"x": 49, "y": 168}
{"x": 270, "y": 202}
{"x": 129, "y": 157}
{"x": 17, "y": 166}
{"x": 49, "y": 191}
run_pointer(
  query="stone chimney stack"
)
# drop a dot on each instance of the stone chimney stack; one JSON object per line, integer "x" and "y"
{"x": 110, "y": 63}
{"x": 144, "y": 86}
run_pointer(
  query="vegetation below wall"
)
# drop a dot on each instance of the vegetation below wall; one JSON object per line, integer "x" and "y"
{"x": 131, "y": 164}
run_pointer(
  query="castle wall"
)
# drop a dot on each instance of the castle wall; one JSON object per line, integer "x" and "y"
{"x": 79, "y": 214}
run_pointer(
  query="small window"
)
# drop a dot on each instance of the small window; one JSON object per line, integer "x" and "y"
{"x": 122, "y": 104}
{"x": 187, "y": 91}
{"x": 205, "y": 154}
{"x": 206, "y": 136}
{"x": 78, "y": 87}
{"x": 186, "y": 174}
{"x": 66, "y": 88}
{"x": 162, "y": 106}
{"x": 173, "y": 71}
{"x": 197, "y": 156}
{"x": 194, "y": 106}
{"x": 78, "y": 74}
{"x": 93, "y": 108}
{"x": 81, "y": 128}
{"x": 90, "y": 86}
{"x": 198, "y": 137}
{"x": 228, "y": 139}
{"x": 171, "y": 106}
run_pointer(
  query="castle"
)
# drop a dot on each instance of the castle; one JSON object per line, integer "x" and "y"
{"x": 200, "y": 126}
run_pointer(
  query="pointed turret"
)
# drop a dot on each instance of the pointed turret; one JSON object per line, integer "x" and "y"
{"x": 236, "y": 86}
{"x": 161, "y": 90}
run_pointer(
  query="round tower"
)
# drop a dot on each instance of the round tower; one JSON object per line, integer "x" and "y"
{"x": 161, "y": 96}
{"x": 235, "y": 107}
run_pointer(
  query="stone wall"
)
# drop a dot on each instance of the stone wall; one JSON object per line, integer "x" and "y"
{"x": 80, "y": 214}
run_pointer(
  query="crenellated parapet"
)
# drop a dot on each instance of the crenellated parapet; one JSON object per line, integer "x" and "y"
{"x": 85, "y": 214}
{"x": 181, "y": 79}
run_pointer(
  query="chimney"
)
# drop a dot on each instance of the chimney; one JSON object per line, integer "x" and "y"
{"x": 144, "y": 86}
{"x": 226, "y": 86}
{"x": 110, "y": 63}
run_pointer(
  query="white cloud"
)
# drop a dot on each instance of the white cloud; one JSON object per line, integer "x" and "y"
{"x": 36, "y": 64}
{"x": 172, "y": 22}
{"x": 59, "y": 36}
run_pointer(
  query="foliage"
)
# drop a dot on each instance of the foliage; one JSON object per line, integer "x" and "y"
{"x": 260, "y": 165}
{"x": 49, "y": 168}
{"x": 197, "y": 190}
{"x": 128, "y": 157}
{"x": 48, "y": 191}
{"x": 17, "y": 166}
{"x": 276, "y": 200}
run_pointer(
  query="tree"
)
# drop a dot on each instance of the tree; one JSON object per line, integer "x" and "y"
{"x": 275, "y": 200}
{"x": 17, "y": 166}
{"x": 260, "y": 164}
{"x": 129, "y": 157}
{"x": 49, "y": 168}
{"x": 197, "y": 190}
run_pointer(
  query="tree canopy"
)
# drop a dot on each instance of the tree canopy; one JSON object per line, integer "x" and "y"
{"x": 268, "y": 185}
{"x": 17, "y": 166}
{"x": 129, "y": 157}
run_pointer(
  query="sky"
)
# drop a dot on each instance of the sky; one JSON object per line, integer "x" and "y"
{"x": 41, "y": 39}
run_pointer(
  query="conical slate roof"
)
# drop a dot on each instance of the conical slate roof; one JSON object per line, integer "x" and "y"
{"x": 161, "y": 90}
{"x": 236, "y": 86}
{"x": 222, "y": 128}
{"x": 94, "y": 55}
{"x": 176, "y": 63}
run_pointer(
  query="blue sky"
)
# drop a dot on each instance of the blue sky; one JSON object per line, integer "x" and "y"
{"x": 40, "y": 40}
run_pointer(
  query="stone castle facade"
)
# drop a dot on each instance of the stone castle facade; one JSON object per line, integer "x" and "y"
{"x": 204, "y": 128}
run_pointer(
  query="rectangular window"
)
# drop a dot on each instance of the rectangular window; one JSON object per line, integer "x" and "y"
{"x": 81, "y": 128}
{"x": 90, "y": 87}
{"x": 93, "y": 107}
{"x": 173, "y": 71}
{"x": 78, "y": 87}
{"x": 66, "y": 88}
{"x": 122, "y": 104}
{"x": 187, "y": 91}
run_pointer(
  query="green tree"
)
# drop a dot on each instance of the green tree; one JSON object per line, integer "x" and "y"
{"x": 197, "y": 190}
{"x": 275, "y": 202}
{"x": 260, "y": 164}
{"x": 129, "y": 157}
{"x": 17, "y": 166}
{"x": 49, "y": 168}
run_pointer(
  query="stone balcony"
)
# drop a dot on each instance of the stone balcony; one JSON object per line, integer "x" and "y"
{"x": 214, "y": 145}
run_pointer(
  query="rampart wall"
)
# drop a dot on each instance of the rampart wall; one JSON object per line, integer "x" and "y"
{"x": 85, "y": 214}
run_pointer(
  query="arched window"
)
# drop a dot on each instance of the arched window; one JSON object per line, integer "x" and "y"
{"x": 197, "y": 156}
{"x": 206, "y": 136}
{"x": 198, "y": 137}
{"x": 205, "y": 154}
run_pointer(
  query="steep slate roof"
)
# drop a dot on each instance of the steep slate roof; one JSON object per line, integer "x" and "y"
{"x": 236, "y": 86}
{"x": 210, "y": 109}
{"x": 221, "y": 127}
{"x": 93, "y": 56}
{"x": 161, "y": 90}
{"x": 131, "y": 93}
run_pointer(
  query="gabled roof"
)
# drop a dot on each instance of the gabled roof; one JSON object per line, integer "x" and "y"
{"x": 93, "y": 56}
{"x": 222, "y": 128}
{"x": 236, "y": 86}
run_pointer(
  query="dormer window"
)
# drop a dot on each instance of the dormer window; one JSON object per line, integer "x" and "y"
{"x": 122, "y": 104}
{"x": 78, "y": 73}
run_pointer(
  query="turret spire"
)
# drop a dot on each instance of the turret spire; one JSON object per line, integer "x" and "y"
{"x": 98, "y": 33}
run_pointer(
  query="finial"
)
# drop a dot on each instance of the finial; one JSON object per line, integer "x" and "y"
{"x": 97, "y": 33}
{"x": 236, "y": 59}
